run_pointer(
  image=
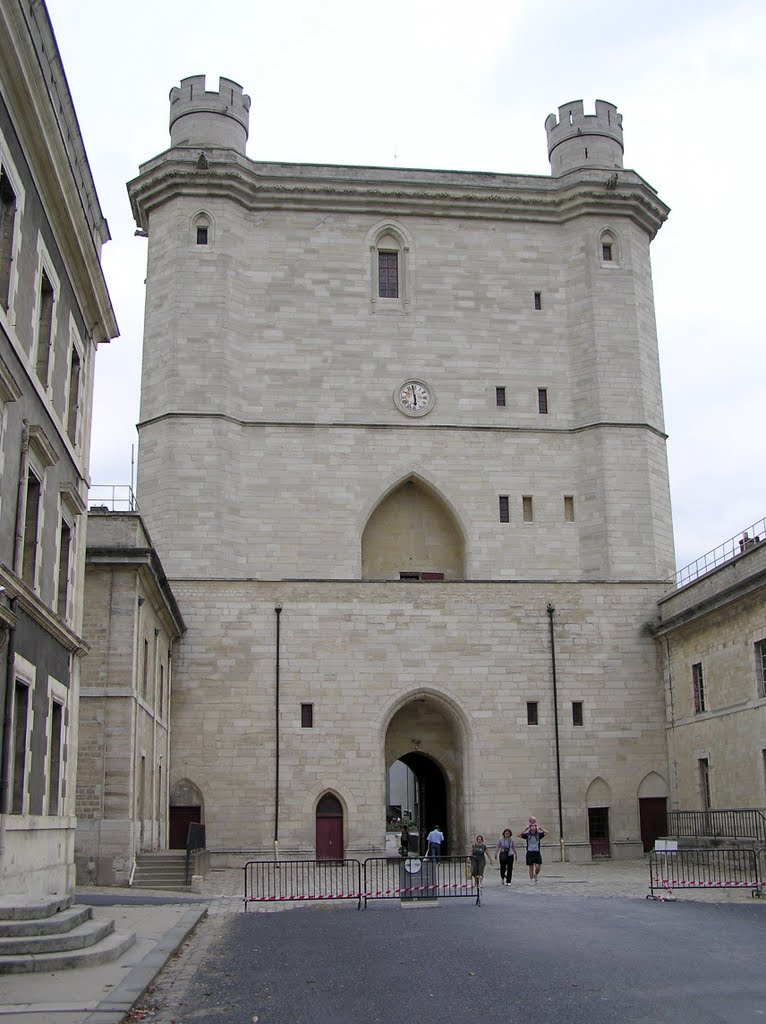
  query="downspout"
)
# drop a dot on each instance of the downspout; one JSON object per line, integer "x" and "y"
{"x": 278, "y": 612}
{"x": 551, "y": 611}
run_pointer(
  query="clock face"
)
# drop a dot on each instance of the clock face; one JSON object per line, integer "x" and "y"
{"x": 414, "y": 398}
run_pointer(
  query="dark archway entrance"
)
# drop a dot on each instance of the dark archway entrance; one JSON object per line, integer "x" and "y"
{"x": 432, "y": 793}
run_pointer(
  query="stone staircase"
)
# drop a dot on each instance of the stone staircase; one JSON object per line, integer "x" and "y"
{"x": 49, "y": 934}
{"x": 161, "y": 869}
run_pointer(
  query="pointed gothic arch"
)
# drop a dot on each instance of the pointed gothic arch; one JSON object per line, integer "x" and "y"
{"x": 413, "y": 532}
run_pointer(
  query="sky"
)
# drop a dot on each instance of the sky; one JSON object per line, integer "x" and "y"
{"x": 415, "y": 83}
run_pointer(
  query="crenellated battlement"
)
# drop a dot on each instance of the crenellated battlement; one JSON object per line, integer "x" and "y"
{"x": 577, "y": 139}
{"x": 204, "y": 118}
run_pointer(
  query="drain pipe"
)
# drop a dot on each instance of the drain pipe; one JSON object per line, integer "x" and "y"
{"x": 551, "y": 611}
{"x": 278, "y": 613}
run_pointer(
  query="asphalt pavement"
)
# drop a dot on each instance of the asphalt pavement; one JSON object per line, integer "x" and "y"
{"x": 584, "y": 944}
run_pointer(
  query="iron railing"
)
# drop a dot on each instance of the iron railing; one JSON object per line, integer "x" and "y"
{"x": 111, "y": 498}
{"x": 737, "y": 545}
{"x": 711, "y": 868}
{"x": 415, "y": 878}
{"x": 378, "y": 878}
{"x": 735, "y": 823}
{"x": 286, "y": 881}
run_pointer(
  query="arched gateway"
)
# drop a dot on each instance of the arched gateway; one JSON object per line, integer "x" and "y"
{"x": 426, "y": 736}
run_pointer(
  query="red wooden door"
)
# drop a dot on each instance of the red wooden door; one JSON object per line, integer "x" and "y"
{"x": 329, "y": 837}
{"x": 598, "y": 829}
{"x": 653, "y": 816}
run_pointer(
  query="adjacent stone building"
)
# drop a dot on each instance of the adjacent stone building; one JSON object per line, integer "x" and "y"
{"x": 402, "y": 455}
{"x": 54, "y": 311}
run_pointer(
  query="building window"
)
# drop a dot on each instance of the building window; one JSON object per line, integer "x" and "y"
{"x": 698, "y": 686}
{"x": 388, "y": 275}
{"x": 44, "y": 328}
{"x": 606, "y": 252}
{"x": 568, "y": 508}
{"x": 608, "y": 247}
{"x": 7, "y": 222}
{"x": 760, "y": 666}
{"x": 55, "y": 752}
{"x": 527, "y": 509}
{"x": 577, "y": 715}
{"x": 704, "y": 780}
{"x": 422, "y": 576}
{"x": 499, "y": 396}
{"x": 542, "y": 400}
{"x": 65, "y": 545}
{"x": 73, "y": 400}
{"x": 307, "y": 716}
{"x": 538, "y": 300}
{"x": 202, "y": 234}
{"x": 31, "y": 529}
{"x": 532, "y": 712}
{"x": 504, "y": 508}
{"x": 145, "y": 669}
{"x": 20, "y": 725}
{"x": 161, "y": 698}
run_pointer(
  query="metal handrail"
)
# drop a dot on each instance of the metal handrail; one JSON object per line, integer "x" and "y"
{"x": 729, "y": 823}
{"x": 111, "y": 498}
{"x": 737, "y": 545}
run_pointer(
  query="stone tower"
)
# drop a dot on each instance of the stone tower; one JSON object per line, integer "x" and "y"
{"x": 394, "y": 425}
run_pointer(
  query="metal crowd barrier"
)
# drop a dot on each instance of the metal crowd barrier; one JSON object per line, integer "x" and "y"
{"x": 378, "y": 878}
{"x": 284, "y": 881}
{"x": 415, "y": 878}
{"x": 717, "y": 868}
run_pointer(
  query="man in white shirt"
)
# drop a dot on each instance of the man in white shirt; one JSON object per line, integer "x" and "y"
{"x": 435, "y": 838}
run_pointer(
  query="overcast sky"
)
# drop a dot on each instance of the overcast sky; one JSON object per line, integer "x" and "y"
{"x": 468, "y": 87}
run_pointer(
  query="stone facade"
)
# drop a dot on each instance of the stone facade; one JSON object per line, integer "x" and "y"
{"x": 279, "y": 468}
{"x": 712, "y": 637}
{"x": 54, "y": 311}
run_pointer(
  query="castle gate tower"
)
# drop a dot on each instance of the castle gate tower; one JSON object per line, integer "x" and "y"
{"x": 402, "y": 446}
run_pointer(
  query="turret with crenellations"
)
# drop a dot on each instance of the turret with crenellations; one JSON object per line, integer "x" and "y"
{"x": 218, "y": 119}
{"x": 578, "y": 140}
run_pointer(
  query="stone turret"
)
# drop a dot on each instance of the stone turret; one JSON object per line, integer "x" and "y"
{"x": 578, "y": 140}
{"x": 215, "y": 119}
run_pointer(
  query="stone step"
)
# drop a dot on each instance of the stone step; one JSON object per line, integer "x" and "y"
{"x": 81, "y": 936}
{"x": 108, "y": 949}
{"x": 61, "y": 922}
{"x": 18, "y": 907}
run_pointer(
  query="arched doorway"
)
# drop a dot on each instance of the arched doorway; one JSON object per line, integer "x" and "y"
{"x": 598, "y": 800}
{"x": 652, "y": 809}
{"x": 424, "y": 741}
{"x": 329, "y": 828}
{"x": 186, "y": 808}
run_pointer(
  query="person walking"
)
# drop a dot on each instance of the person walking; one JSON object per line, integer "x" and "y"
{"x": 534, "y": 835}
{"x": 506, "y": 855}
{"x": 435, "y": 838}
{"x": 478, "y": 857}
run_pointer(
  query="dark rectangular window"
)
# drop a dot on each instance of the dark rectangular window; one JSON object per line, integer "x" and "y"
{"x": 161, "y": 698}
{"x": 7, "y": 220}
{"x": 20, "y": 715}
{"x": 65, "y": 543}
{"x": 542, "y": 400}
{"x": 388, "y": 275}
{"x": 307, "y": 716}
{"x": 145, "y": 670}
{"x": 31, "y": 526}
{"x": 422, "y": 576}
{"x": 538, "y": 300}
{"x": 201, "y": 236}
{"x": 44, "y": 329}
{"x": 74, "y": 396}
{"x": 527, "y": 509}
{"x": 577, "y": 718}
{"x": 499, "y": 396}
{"x": 704, "y": 775}
{"x": 54, "y": 789}
{"x": 760, "y": 666}
{"x": 606, "y": 252}
{"x": 568, "y": 508}
{"x": 504, "y": 508}
{"x": 698, "y": 686}
{"x": 531, "y": 712}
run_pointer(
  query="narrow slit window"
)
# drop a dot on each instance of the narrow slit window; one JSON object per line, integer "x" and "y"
{"x": 577, "y": 716}
{"x": 54, "y": 788}
{"x": 201, "y": 234}
{"x": 504, "y": 508}
{"x": 698, "y": 687}
{"x": 388, "y": 275}
{"x": 7, "y": 221}
{"x": 542, "y": 401}
{"x": 65, "y": 543}
{"x": 44, "y": 329}
{"x": 74, "y": 396}
{"x": 569, "y": 511}
{"x": 20, "y": 716}
{"x": 760, "y": 664}
{"x": 527, "y": 509}
{"x": 532, "y": 718}
{"x": 538, "y": 300}
{"x": 307, "y": 716}
{"x": 606, "y": 252}
{"x": 31, "y": 529}
{"x": 500, "y": 396}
